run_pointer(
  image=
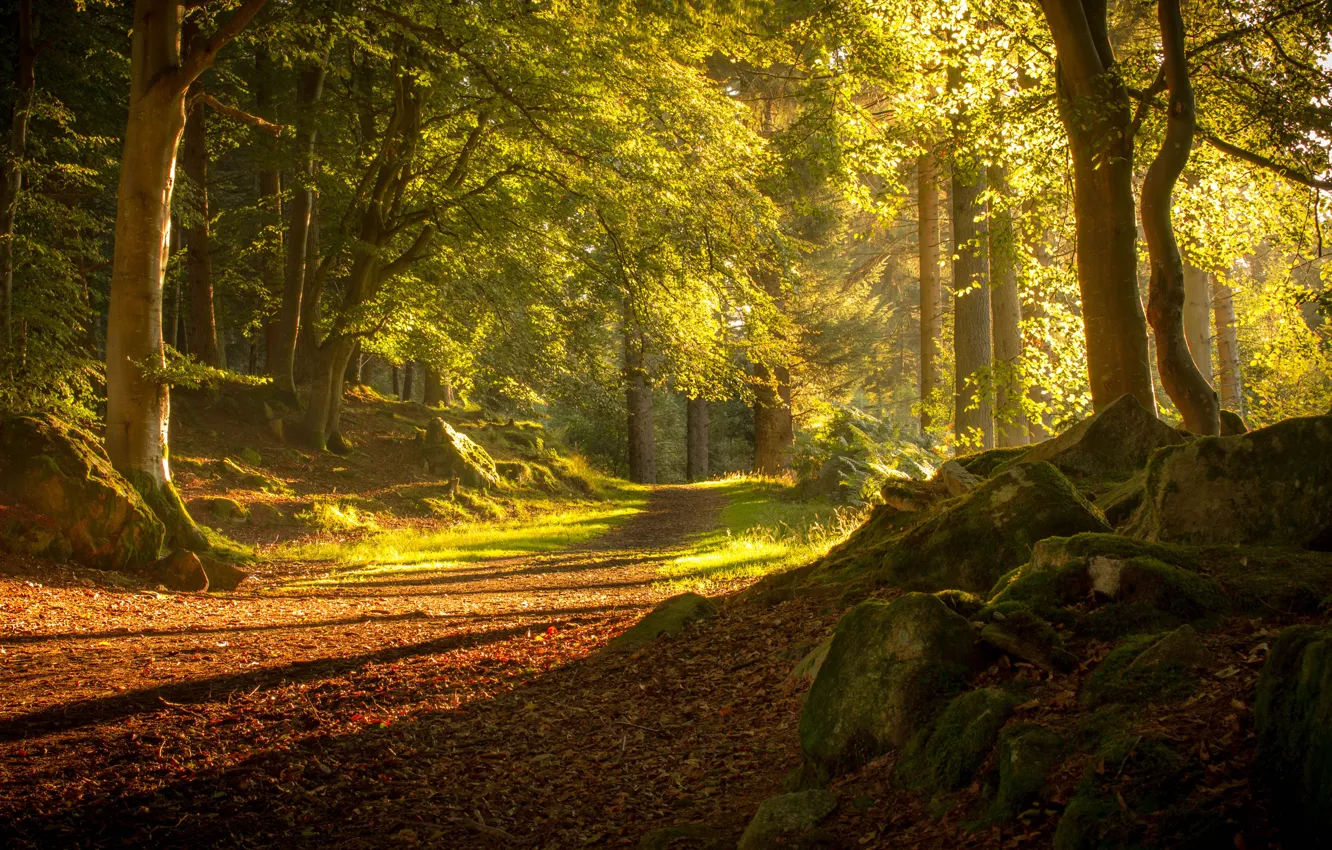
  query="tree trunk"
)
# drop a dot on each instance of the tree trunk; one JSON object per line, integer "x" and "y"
{"x": 312, "y": 290}
{"x": 1006, "y": 320}
{"x": 638, "y": 402}
{"x": 1198, "y": 319}
{"x": 270, "y": 204}
{"x": 12, "y": 167}
{"x": 137, "y": 407}
{"x": 309, "y": 88}
{"x": 407, "y": 380}
{"x": 198, "y": 257}
{"x": 397, "y": 386}
{"x": 1192, "y": 395}
{"x": 352, "y": 375}
{"x": 431, "y": 392}
{"x": 696, "y": 440}
{"x": 1227, "y": 347}
{"x": 774, "y": 430}
{"x": 973, "y": 416}
{"x": 448, "y": 391}
{"x": 1095, "y": 109}
{"x": 323, "y": 413}
{"x": 931, "y": 314}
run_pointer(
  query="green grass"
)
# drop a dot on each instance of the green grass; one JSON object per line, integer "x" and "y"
{"x": 405, "y": 551}
{"x": 762, "y": 532}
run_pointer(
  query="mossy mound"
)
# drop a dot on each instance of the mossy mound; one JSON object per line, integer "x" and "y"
{"x": 968, "y": 542}
{"x": 1293, "y": 716}
{"x": 669, "y": 618}
{"x": 789, "y": 820}
{"x": 1113, "y": 443}
{"x": 1272, "y": 487}
{"x": 1119, "y": 678}
{"x": 62, "y": 473}
{"x": 947, "y": 755}
{"x": 889, "y": 663}
{"x": 450, "y": 455}
{"x": 984, "y": 464}
{"x": 1025, "y": 755}
{"x": 1015, "y": 630}
{"x": 226, "y": 510}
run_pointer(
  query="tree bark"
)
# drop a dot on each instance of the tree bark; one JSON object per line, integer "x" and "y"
{"x": 407, "y": 380}
{"x": 1198, "y": 319}
{"x": 1227, "y": 347}
{"x": 774, "y": 429}
{"x": 1006, "y": 319}
{"x": 931, "y": 313}
{"x": 137, "y": 406}
{"x": 270, "y": 203}
{"x": 309, "y": 88}
{"x": 1192, "y": 395}
{"x": 431, "y": 394}
{"x": 198, "y": 257}
{"x": 638, "y": 402}
{"x": 1095, "y": 109}
{"x": 973, "y": 415}
{"x": 397, "y": 385}
{"x": 696, "y": 440}
{"x": 12, "y": 167}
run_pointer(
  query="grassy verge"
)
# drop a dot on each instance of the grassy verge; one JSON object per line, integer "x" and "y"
{"x": 762, "y": 532}
{"x": 406, "y": 551}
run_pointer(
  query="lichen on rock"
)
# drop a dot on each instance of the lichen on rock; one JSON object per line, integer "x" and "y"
{"x": 450, "y": 454}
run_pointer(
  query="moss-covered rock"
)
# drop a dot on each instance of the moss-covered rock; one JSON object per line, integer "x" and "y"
{"x": 250, "y": 456}
{"x": 669, "y": 618}
{"x": 62, "y": 473}
{"x": 968, "y": 542}
{"x": 222, "y": 576}
{"x": 181, "y": 570}
{"x": 946, "y": 755}
{"x": 1272, "y": 486}
{"x": 450, "y": 454}
{"x": 1128, "y": 776}
{"x": 226, "y": 510}
{"x": 1025, "y": 755}
{"x": 26, "y": 532}
{"x": 1293, "y": 716}
{"x": 1114, "y": 443}
{"x": 983, "y": 464}
{"x": 1232, "y": 423}
{"x": 1167, "y": 677}
{"x": 1119, "y": 502}
{"x": 789, "y": 820}
{"x": 685, "y": 836}
{"x": 1017, "y": 631}
{"x": 807, "y": 668}
{"x": 264, "y": 514}
{"x": 889, "y": 663}
{"x": 962, "y": 602}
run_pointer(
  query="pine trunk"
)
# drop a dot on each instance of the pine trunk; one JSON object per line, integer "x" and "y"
{"x": 1227, "y": 347}
{"x": 696, "y": 440}
{"x": 931, "y": 314}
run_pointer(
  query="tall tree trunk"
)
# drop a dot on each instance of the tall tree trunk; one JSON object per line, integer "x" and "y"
{"x": 198, "y": 257}
{"x": 397, "y": 385}
{"x": 638, "y": 402}
{"x": 696, "y": 440}
{"x": 1198, "y": 319}
{"x": 774, "y": 430}
{"x": 11, "y": 169}
{"x": 270, "y": 203}
{"x": 1096, "y": 113}
{"x": 312, "y": 290}
{"x": 1192, "y": 395}
{"x": 352, "y": 374}
{"x": 309, "y": 88}
{"x": 448, "y": 391}
{"x": 973, "y": 415}
{"x": 1006, "y": 319}
{"x": 138, "y": 407}
{"x": 430, "y": 397}
{"x": 1227, "y": 347}
{"x": 407, "y": 379}
{"x": 931, "y": 313}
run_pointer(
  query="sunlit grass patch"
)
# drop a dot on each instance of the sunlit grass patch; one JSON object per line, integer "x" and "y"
{"x": 403, "y": 551}
{"x": 763, "y": 531}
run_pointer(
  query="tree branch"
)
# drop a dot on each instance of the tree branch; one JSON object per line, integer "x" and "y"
{"x": 238, "y": 114}
{"x": 202, "y": 59}
{"x": 1291, "y": 174}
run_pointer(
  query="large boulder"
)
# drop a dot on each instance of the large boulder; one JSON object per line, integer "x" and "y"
{"x": 790, "y": 820}
{"x": 1293, "y": 715}
{"x": 62, "y": 473}
{"x": 888, "y": 664}
{"x": 181, "y": 570}
{"x": 1272, "y": 486}
{"x": 1114, "y": 442}
{"x": 969, "y": 542}
{"x": 669, "y": 618}
{"x": 450, "y": 455}
{"x": 948, "y": 755}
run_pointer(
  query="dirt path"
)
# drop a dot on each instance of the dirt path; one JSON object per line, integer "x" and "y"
{"x": 450, "y": 708}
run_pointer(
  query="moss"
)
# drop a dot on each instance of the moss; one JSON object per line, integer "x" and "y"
{"x": 1142, "y": 771}
{"x": 1025, "y": 756}
{"x": 670, "y": 617}
{"x": 1120, "y": 500}
{"x": 1089, "y": 822}
{"x": 1014, "y": 629}
{"x": 985, "y": 463}
{"x": 1115, "y": 680}
{"x": 947, "y": 755}
{"x": 966, "y": 604}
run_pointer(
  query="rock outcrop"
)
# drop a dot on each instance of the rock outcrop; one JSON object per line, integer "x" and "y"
{"x": 1270, "y": 487}
{"x": 790, "y": 820}
{"x": 450, "y": 454}
{"x": 1114, "y": 442}
{"x": 61, "y": 473}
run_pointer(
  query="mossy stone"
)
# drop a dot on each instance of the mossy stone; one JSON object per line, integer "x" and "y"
{"x": 1025, "y": 755}
{"x": 450, "y": 454}
{"x": 947, "y": 755}
{"x": 61, "y": 472}
{"x": 1020, "y": 633}
{"x": 1119, "y": 679}
{"x": 1272, "y": 487}
{"x": 1147, "y": 775}
{"x": 669, "y": 618}
{"x": 250, "y": 456}
{"x": 889, "y": 663}
{"x": 789, "y": 820}
{"x": 983, "y": 464}
{"x": 687, "y": 836}
{"x": 1293, "y": 716}
{"x": 226, "y": 510}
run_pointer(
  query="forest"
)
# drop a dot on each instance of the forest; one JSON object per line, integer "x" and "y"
{"x": 672, "y": 425}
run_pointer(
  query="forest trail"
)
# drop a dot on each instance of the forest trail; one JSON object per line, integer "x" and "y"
{"x": 202, "y": 719}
